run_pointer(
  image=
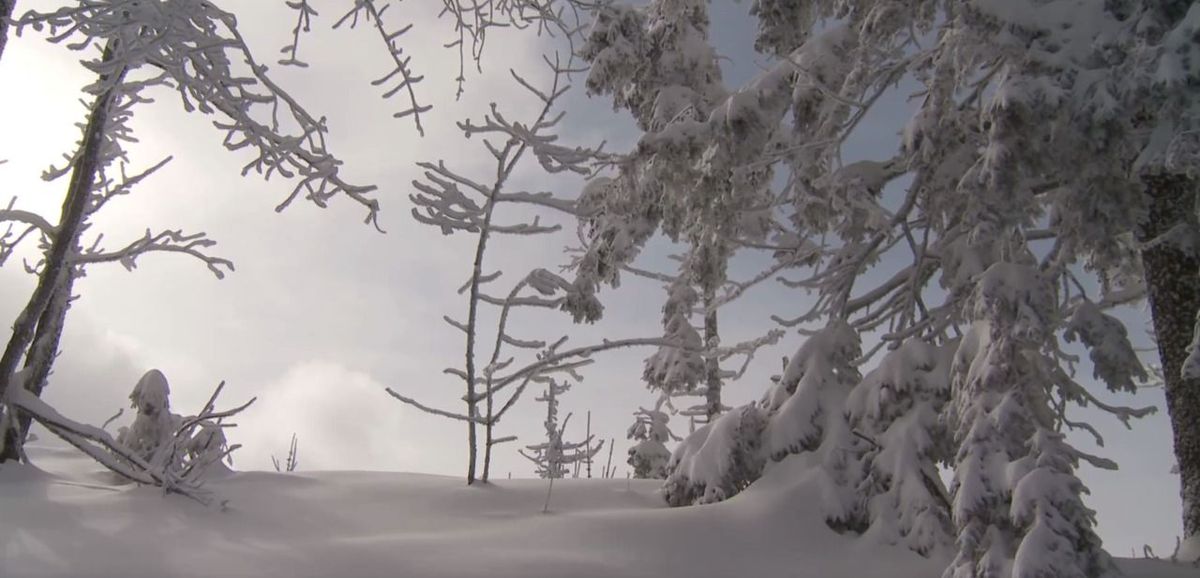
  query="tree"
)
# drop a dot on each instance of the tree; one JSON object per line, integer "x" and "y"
{"x": 1028, "y": 119}
{"x": 44, "y": 346}
{"x": 179, "y": 460}
{"x": 291, "y": 462}
{"x": 718, "y": 460}
{"x": 895, "y": 409}
{"x": 165, "y": 440}
{"x": 1016, "y": 500}
{"x": 456, "y": 203}
{"x": 6, "y": 10}
{"x": 649, "y": 456}
{"x": 553, "y": 456}
{"x": 196, "y": 50}
{"x": 802, "y": 413}
{"x": 154, "y": 425}
{"x": 693, "y": 175}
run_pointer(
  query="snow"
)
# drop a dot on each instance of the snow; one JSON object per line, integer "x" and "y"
{"x": 76, "y": 521}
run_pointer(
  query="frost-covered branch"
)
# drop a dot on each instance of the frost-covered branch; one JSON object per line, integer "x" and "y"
{"x": 163, "y": 242}
{"x": 191, "y": 47}
{"x": 34, "y": 220}
{"x": 435, "y": 411}
{"x": 373, "y": 15}
{"x": 159, "y": 468}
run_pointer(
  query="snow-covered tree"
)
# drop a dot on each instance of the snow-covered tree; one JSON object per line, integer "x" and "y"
{"x": 553, "y": 457}
{"x": 175, "y": 446}
{"x": 1016, "y": 502}
{"x": 154, "y": 425}
{"x": 164, "y": 439}
{"x": 159, "y": 448}
{"x": 695, "y": 175}
{"x": 677, "y": 370}
{"x": 803, "y": 413}
{"x": 1029, "y": 117}
{"x": 44, "y": 346}
{"x": 806, "y": 415}
{"x": 717, "y": 461}
{"x": 895, "y": 409}
{"x": 649, "y": 456}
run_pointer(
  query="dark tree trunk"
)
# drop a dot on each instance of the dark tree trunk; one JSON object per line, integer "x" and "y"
{"x": 44, "y": 349}
{"x": 1173, "y": 283}
{"x": 66, "y": 237}
{"x": 712, "y": 366}
{"x": 6, "y": 10}
{"x": 487, "y": 434}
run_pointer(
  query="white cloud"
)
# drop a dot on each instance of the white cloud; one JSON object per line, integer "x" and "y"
{"x": 343, "y": 420}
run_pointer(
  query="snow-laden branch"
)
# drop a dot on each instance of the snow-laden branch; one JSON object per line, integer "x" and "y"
{"x": 28, "y": 218}
{"x": 191, "y": 47}
{"x": 175, "y": 241}
{"x": 542, "y": 199}
{"x": 100, "y": 446}
{"x": 107, "y": 190}
{"x": 400, "y": 62}
{"x": 304, "y": 14}
{"x": 586, "y": 351}
{"x": 433, "y": 410}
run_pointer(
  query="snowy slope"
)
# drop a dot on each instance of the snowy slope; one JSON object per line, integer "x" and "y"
{"x": 75, "y": 522}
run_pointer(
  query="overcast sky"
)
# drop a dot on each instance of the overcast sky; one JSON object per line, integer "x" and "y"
{"x": 324, "y": 312}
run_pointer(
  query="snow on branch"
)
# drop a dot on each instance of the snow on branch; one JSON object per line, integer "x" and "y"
{"x": 552, "y": 362}
{"x": 162, "y": 467}
{"x": 11, "y": 215}
{"x": 163, "y": 242}
{"x": 304, "y": 14}
{"x": 542, "y": 199}
{"x": 197, "y": 50}
{"x": 562, "y": 19}
{"x": 433, "y": 410}
{"x": 372, "y": 14}
{"x": 14, "y": 235}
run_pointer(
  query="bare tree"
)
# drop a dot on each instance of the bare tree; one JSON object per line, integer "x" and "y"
{"x": 457, "y": 203}
{"x": 292, "y": 460}
{"x": 553, "y": 456}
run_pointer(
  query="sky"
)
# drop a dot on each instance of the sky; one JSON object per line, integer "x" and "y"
{"x": 323, "y": 312}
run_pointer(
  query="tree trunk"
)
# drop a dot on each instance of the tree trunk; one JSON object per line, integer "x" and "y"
{"x": 6, "y": 10}
{"x": 487, "y": 434}
{"x": 712, "y": 367}
{"x": 44, "y": 349}
{"x": 1173, "y": 284}
{"x": 66, "y": 237}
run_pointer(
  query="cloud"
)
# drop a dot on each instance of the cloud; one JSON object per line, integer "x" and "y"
{"x": 343, "y": 419}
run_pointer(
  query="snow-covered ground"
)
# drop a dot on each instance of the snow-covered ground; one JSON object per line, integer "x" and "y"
{"x": 66, "y": 518}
